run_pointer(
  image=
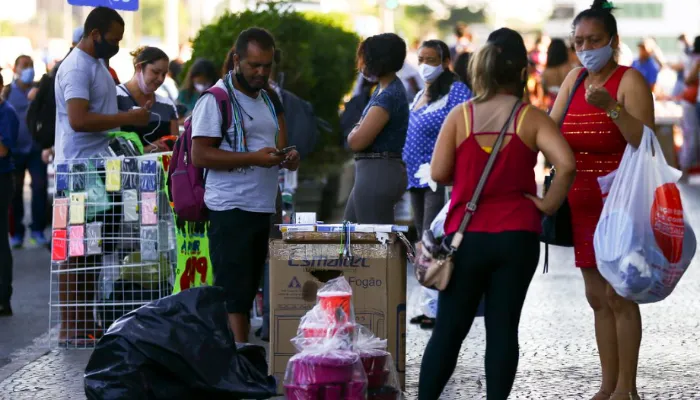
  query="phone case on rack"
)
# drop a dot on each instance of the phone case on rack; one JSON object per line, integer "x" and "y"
{"x": 148, "y": 176}
{"x": 164, "y": 236}
{"x": 149, "y": 243}
{"x": 77, "y": 208}
{"x": 59, "y": 250}
{"x": 76, "y": 240}
{"x": 60, "y": 213}
{"x": 149, "y": 208}
{"x": 130, "y": 174}
{"x": 114, "y": 179}
{"x": 78, "y": 177}
{"x": 93, "y": 234}
{"x": 131, "y": 205}
{"x": 62, "y": 177}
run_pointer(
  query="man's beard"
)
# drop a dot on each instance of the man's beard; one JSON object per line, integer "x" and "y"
{"x": 246, "y": 85}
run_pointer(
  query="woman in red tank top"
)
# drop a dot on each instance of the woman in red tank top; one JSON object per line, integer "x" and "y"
{"x": 500, "y": 250}
{"x": 608, "y": 111}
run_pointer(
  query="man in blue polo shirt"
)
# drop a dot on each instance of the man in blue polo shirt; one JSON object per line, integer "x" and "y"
{"x": 647, "y": 63}
{"x": 9, "y": 128}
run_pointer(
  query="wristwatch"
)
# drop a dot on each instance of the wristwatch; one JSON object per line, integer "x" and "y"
{"x": 614, "y": 113}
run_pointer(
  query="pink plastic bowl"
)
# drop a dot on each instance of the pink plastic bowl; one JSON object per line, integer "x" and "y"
{"x": 324, "y": 369}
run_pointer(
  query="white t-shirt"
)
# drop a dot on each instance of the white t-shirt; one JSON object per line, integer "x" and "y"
{"x": 253, "y": 190}
{"x": 82, "y": 76}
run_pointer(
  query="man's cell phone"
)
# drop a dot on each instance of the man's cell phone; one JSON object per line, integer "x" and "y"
{"x": 285, "y": 150}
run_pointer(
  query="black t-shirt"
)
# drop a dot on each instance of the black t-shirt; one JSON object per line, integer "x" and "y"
{"x": 163, "y": 107}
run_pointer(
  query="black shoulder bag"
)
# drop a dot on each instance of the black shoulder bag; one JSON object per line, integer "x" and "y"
{"x": 556, "y": 228}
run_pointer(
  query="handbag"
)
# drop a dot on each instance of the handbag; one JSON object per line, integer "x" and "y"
{"x": 434, "y": 259}
{"x": 556, "y": 228}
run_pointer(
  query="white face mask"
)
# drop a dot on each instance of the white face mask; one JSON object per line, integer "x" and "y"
{"x": 430, "y": 73}
{"x": 200, "y": 87}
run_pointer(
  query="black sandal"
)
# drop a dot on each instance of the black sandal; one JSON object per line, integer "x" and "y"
{"x": 428, "y": 323}
{"x": 418, "y": 320}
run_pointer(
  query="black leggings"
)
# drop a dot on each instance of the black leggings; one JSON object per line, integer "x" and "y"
{"x": 501, "y": 266}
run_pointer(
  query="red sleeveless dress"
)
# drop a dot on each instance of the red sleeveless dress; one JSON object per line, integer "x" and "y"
{"x": 598, "y": 146}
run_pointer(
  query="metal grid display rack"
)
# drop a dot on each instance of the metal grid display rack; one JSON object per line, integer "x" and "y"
{"x": 113, "y": 245}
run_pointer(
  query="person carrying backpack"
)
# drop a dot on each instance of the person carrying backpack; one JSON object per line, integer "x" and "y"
{"x": 241, "y": 178}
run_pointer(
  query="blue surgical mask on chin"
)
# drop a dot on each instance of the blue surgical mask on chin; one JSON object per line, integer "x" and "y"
{"x": 594, "y": 60}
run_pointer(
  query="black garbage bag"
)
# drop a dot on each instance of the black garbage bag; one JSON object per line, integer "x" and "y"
{"x": 178, "y": 347}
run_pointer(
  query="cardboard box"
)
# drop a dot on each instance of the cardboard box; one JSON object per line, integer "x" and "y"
{"x": 304, "y": 261}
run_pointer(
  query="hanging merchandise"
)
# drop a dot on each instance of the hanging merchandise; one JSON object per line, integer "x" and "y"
{"x": 643, "y": 242}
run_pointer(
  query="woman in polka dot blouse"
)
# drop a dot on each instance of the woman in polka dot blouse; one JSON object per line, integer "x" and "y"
{"x": 443, "y": 91}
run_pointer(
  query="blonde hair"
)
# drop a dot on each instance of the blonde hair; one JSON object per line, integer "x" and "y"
{"x": 499, "y": 65}
{"x": 482, "y": 72}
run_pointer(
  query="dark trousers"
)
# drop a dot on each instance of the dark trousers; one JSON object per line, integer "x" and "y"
{"x": 37, "y": 171}
{"x": 426, "y": 205}
{"x": 501, "y": 266}
{"x": 238, "y": 243}
{"x": 5, "y": 252}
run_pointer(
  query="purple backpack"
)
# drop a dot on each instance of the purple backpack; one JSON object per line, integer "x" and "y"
{"x": 185, "y": 182}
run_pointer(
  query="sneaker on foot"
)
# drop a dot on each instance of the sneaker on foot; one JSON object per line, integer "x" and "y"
{"x": 39, "y": 239}
{"x": 16, "y": 242}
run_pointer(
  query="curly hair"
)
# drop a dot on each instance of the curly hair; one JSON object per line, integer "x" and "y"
{"x": 382, "y": 54}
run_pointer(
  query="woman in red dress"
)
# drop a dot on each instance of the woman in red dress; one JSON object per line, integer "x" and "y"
{"x": 609, "y": 110}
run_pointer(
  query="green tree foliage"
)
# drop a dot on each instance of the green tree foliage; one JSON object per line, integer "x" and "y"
{"x": 318, "y": 62}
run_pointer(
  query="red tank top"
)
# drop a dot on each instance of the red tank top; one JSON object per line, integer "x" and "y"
{"x": 502, "y": 206}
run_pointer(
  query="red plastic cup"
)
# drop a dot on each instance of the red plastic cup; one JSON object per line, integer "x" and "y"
{"x": 331, "y": 301}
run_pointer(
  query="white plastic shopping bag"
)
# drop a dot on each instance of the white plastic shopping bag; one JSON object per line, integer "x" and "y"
{"x": 429, "y": 302}
{"x": 438, "y": 224}
{"x": 643, "y": 242}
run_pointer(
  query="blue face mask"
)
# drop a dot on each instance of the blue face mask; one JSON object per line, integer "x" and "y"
{"x": 594, "y": 60}
{"x": 27, "y": 76}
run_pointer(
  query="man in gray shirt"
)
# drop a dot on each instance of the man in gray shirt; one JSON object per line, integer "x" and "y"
{"x": 86, "y": 109}
{"x": 241, "y": 185}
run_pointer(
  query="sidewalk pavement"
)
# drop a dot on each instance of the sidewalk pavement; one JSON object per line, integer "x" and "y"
{"x": 558, "y": 353}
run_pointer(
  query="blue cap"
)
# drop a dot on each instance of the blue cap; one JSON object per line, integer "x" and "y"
{"x": 77, "y": 34}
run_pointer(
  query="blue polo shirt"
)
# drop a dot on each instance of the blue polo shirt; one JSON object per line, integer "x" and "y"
{"x": 18, "y": 99}
{"x": 649, "y": 69}
{"x": 9, "y": 129}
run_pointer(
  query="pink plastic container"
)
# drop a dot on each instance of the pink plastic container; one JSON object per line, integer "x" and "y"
{"x": 374, "y": 361}
{"x": 335, "y": 391}
{"x": 295, "y": 392}
{"x": 377, "y": 379}
{"x": 324, "y": 369}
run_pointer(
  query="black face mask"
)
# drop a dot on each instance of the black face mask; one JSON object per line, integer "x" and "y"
{"x": 104, "y": 49}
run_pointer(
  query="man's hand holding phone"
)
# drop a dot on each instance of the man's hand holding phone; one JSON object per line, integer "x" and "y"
{"x": 291, "y": 159}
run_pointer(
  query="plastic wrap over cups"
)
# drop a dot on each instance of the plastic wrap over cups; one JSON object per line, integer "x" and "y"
{"x": 322, "y": 372}
{"x": 327, "y": 367}
{"x": 382, "y": 378}
{"x": 643, "y": 243}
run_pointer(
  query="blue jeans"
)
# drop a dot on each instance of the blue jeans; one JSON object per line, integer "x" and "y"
{"x": 37, "y": 170}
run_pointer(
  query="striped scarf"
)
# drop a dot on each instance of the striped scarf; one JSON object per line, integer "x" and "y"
{"x": 239, "y": 137}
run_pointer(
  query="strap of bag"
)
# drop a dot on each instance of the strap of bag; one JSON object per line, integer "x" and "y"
{"x": 578, "y": 83}
{"x": 471, "y": 206}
